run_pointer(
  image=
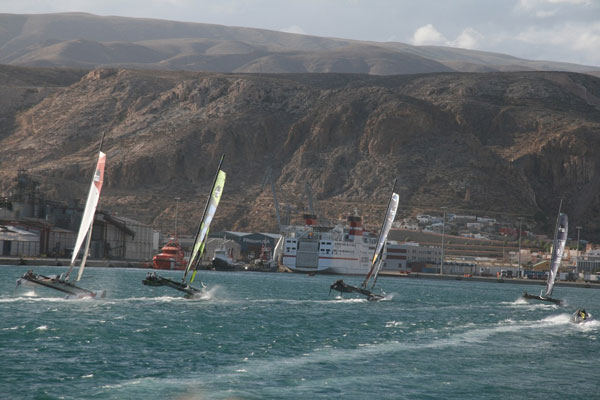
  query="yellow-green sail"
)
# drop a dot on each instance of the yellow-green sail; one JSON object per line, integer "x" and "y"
{"x": 215, "y": 197}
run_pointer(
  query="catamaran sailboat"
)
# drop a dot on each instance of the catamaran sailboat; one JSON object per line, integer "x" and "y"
{"x": 558, "y": 247}
{"x": 60, "y": 282}
{"x": 377, "y": 260}
{"x": 199, "y": 242}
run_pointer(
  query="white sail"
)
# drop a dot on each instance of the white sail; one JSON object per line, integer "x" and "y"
{"x": 558, "y": 247}
{"x": 277, "y": 252}
{"x": 87, "y": 220}
{"x": 86, "y": 251}
{"x": 377, "y": 261}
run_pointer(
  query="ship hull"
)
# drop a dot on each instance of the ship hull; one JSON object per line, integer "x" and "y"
{"x": 156, "y": 281}
{"x": 171, "y": 257}
{"x": 222, "y": 265}
{"x": 339, "y": 250}
{"x": 166, "y": 263}
{"x": 71, "y": 290}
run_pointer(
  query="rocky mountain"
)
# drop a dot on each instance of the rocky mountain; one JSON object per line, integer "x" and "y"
{"x": 88, "y": 41}
{"x": 495, "y": 144}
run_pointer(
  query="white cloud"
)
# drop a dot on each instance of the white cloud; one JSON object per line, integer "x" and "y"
{"x": 547, "y": 8}
{"x": 546, "y": 13}
{"x": 580, "y": 37}
{"x": 532, "y": 4}
{"x": 428, "y": 35}
{"x": 294, "y": 29}
{"x": 468, "y": 39}
{"x": 230, "y": 7}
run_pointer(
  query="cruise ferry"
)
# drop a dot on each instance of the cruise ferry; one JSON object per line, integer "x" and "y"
{"x": 344, "y": 249}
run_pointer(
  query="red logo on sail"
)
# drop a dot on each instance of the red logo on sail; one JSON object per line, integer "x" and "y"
{"x": 99, "y": 174}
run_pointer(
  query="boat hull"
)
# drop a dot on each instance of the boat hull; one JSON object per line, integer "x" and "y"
{"x": 541, "y": 298}
{"x": 218, "y": 264}
{"x": 171, "y": 256}
{"x": 319, "y": 270}
{"x": 342, "y": 287}
{"x": 166, "y": 263}
{"x": 156, "y": 281}
{"x": 71, "y": 290}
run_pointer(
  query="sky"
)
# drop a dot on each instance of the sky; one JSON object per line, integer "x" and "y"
{"x": 556, "y": 30}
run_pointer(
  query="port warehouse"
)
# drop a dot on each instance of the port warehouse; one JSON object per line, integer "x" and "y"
{"x": 118, "y": 238}
{"x": 33, "y": 226}
{"x": 243, "y": 246}
{"x": 250, "y": 243}
{"x": 112, "y": 238}
{"x": 49, "y": 229}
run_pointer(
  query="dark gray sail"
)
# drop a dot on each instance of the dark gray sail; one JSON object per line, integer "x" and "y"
{"x": 558, "y": 248}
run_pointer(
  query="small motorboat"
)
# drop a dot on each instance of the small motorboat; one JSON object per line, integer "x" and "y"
{"x": 580, "y": 316}
{"x": 223, "y": 261}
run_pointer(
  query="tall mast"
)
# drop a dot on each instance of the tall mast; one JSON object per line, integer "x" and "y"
{"x": 102, "y": 141}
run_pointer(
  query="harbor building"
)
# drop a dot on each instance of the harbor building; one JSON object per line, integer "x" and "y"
{"x": 251, "y": 244}
{"x": 589, "y": 262}
{"x": 403, "y": 257}
{"x": 17, "y": 241}
{"x": 33, "y": 226}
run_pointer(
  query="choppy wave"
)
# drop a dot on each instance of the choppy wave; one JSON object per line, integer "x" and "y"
{"x": 41, "y": 328}
{"x": 531, "y": 305}
{"x": 32, "y": 299}
{"x": 281, "y": 336}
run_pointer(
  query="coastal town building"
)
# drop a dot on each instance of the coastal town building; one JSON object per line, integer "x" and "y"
{"x": 404, "y": 256}
{"x": 589, "y": 262}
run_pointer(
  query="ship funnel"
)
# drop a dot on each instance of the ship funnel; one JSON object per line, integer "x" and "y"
{"x": 310, "y": 219}
{"x": 356, "y": 228}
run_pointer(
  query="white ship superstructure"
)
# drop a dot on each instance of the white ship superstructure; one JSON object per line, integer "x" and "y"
{"x": 336, "y": 250}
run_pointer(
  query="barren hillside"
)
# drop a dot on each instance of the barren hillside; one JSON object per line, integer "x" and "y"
{"x": 517, "y": 142}
{"x": 83, "y": 40}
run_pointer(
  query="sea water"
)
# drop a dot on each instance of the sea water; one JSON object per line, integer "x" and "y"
{"x": 283, "y": 336}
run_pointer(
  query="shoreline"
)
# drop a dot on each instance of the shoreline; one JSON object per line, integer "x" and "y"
{"x": 64, "y": 262}
{"x": 490, "y": 279}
